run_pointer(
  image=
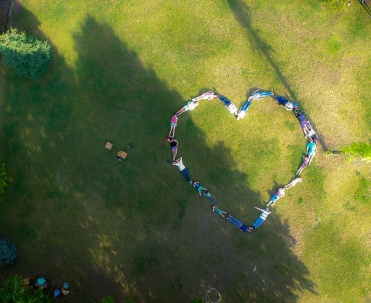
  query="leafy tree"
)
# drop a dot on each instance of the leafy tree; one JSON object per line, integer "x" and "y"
{"x": 14, "y": 292}
{"x": 28, "y": 56}
{"x": 8, "y": 252}
{"x": 3, "y": 179}
{"x": 197, "y": 300}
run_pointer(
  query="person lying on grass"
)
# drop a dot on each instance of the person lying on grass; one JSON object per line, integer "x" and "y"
{"x": 293, "y": 182}
{"x": 244, "y": 109}
{"x": 304, "y": 123}
{"x": 199, "y": 188}
{"x": 286, "y": 103}
{"x": 244, "y": 228}
{"x": 303, "y": 165}
{"x": 311, "y": 150}
{"x": 258, "y": 95}
{"x": 173, "y": 124}
{"x": 179, "y": 163}
{"x": 206, "y": 96}
{"x": 277, "y": 195}
{"x": 208, "y": 195}
{"x": 174, "y": 146}
{"x": 228, "y": 104}
{"x": 220, "y": 212}
{"x": 191, "y": 105}
{"x": 265, "y": 213}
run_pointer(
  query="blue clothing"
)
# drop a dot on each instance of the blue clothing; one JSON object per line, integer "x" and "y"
{"x": 56, "y": 293}
{"x": 198, "y": 187}
{"x": 246, "y": 106}
{"x": 257, "y": 222}
{"x": 264, "y": 94}
{"x": 185, "y": 174}
{"x": 244, "y": 228}
{"x": 225, "y": 101}
{"x": 312, "y": 148}
{"x": 235, "y": 221}
{"x": 218, "y": 211}
{"x": 261, "y": 218}
{"x": 274, "y": 198}
{"x": 210, "y": 198}
{"x": 281, "y": 100}
{"x": 238, "y": 224}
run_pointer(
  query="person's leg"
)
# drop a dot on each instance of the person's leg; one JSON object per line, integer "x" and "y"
{"x": 175, "y": 151}
{"x": 311, "y": 156}
{"x": 273, "y": 199}
{"x": 300, "y": 170}
{"x": 235, "y": 221}
{"x": 232, "y": 108}
{"x": 173, "y": 128}
{"x": 185, "y": 174}
{"x": 303, "y": 126}
{"x": 246, "y": 106}
{"x": 225, "y": 101}
{"x": 212, "y": 200}
{"x": 181, "y": 111}
{"x": 265, "y": 94}
{"x": 171, "y": 132}
{"x": 257, "y": 223}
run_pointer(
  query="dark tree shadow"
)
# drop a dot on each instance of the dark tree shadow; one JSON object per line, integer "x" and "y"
{"x": 242, "y": 14}
{"x": 135, "y": 229}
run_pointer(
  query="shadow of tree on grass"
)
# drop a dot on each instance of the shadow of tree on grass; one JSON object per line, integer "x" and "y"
{"x": 133, "y": 229}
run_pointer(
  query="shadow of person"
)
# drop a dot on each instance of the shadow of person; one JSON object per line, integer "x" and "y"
{"x": 365, "y": 6}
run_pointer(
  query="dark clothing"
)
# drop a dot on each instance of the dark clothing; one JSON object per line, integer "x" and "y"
{"x": 301, "y": 116}
{"x": 281, "y": 100}
{"x": 244, "y": 228}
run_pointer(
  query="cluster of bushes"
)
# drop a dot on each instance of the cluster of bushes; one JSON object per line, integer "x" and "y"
{"x": 27, "y": 55}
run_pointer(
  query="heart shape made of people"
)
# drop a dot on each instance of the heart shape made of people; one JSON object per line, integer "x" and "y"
{"x": 307, "y": 128}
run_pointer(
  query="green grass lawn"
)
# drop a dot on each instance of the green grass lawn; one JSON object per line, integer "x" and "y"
{"x": 121, "y": 68}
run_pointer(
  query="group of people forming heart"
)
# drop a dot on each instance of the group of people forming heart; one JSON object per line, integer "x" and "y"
{"x": 239, "y": 114}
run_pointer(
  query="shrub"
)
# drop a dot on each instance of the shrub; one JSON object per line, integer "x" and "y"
{"x": 360, "y": 150}
{"x": 14, "y": 292}
{"x": 108, "y": 300}
{"x": 8, "y": 252}
{"x": 28, "y": 56}
{"x": 3, "y": 179}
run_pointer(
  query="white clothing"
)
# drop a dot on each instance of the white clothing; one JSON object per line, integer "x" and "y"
{"x": 264, "y": 214}
{"x": 191, "y": 105}
{"x": 205, "y": 96}
{"x": 232, "y": 108}
{"x": 180, "y": 164}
